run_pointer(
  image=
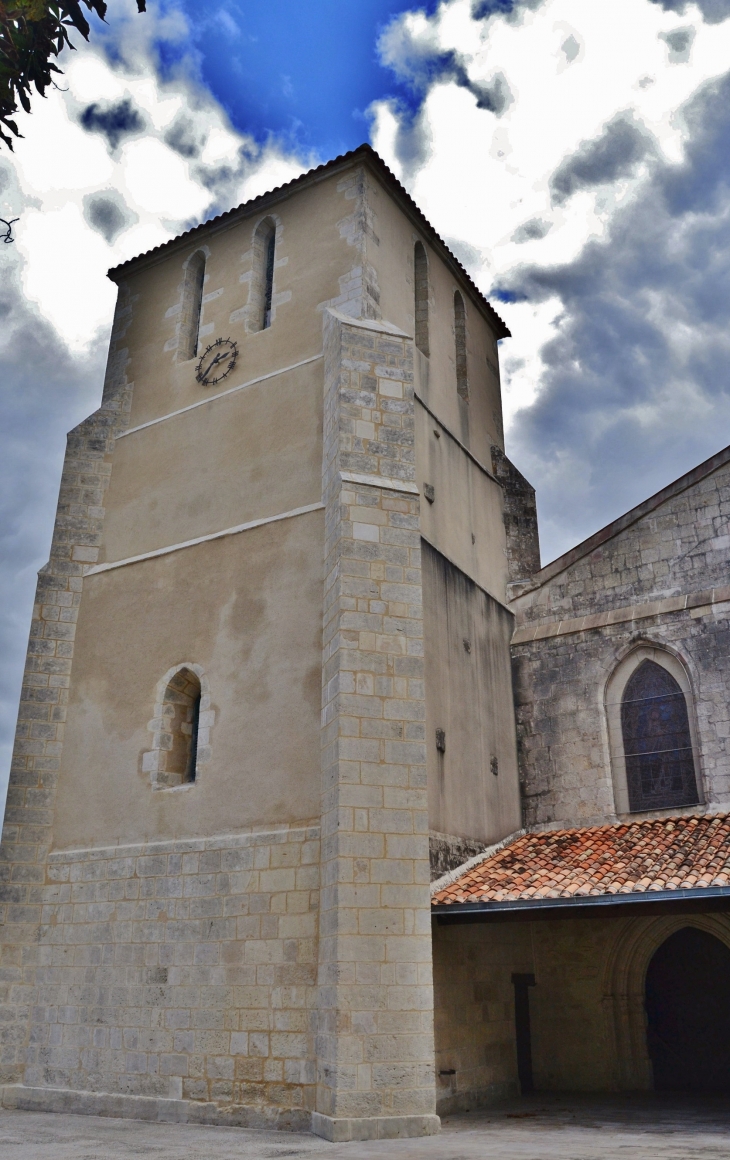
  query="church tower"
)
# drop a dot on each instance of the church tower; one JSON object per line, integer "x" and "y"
{"x": 268, "y": 679}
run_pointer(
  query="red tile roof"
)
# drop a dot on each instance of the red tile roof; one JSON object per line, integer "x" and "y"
{"x": 641, "y": 857}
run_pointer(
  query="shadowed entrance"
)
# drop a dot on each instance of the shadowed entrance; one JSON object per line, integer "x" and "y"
{"x": 688, "y": 1013}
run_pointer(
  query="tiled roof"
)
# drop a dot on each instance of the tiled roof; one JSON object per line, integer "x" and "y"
{"x": 641, "y": 857}
{"x": 362, "y": 153}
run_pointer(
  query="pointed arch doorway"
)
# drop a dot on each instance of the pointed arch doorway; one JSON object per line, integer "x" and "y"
{"x": 688, "y": 1012}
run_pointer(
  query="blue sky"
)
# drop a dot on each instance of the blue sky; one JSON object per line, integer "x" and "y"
{"x": 575, "y": 154}
{"x": 304, "y": 72}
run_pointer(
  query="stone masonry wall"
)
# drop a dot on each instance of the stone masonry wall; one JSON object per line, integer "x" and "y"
{"x": 375, "y": 1041}
{"x": 673, "y": 555}
{"x": 182, "y": 971}
{"x": 682, "y": 546}
{"x": 520, "y": 517}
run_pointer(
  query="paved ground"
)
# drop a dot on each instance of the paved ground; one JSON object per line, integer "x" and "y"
{"x": 541, "y": 1128}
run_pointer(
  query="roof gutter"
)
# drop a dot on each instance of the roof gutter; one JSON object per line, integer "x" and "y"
{"x": 456, "y": 912}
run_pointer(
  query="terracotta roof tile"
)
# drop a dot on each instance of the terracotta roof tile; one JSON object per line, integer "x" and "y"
{"x": 661, "y": 854}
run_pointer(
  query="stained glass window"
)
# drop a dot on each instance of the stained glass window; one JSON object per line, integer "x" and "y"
{"x": 660, "y": 769}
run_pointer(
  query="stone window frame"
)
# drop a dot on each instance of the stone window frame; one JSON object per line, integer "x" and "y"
{"x": 613, "y": 696}
{"x": 255, "y": 322}
{"x": 154, "y": 759}
{"x": 191, "y": 305}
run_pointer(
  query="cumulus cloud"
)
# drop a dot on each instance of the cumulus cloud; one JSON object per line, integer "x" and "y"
{"x": 636, "y": 381}
{"x": 114, "y": 120}
{"x": 713, "y": 11}
{"x": 615, "y": 153}
{"x": 108, "y": 214}
{"x": 598, "y": 207}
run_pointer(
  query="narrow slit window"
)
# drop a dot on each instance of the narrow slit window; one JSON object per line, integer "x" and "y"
{"x": 420, "y": 270}
{"x": 261, "y": 294}
{"x": 191, "y": 306}
{"x": 462, "y": 381}
{"x": 660, "y": 771}
{"x": 181, "y": 715}
{"x": 269, "y": 282}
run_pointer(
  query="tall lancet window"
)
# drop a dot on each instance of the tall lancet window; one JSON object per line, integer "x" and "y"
{"x": 269, "y": 279}
{"x": 660, "y": 771}
{"x": 191, "y": 306}
{"x": 462, "y": 381}
{"x": 420, "y": 271}
{"x": 262, "y": 276}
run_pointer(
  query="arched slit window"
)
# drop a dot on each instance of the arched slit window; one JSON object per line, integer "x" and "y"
{"x": 420, "y": 271}
{"x": 179, "y": 740}
{"x": 191, "y": 306}
{"x": 262, "y": 275}
{"x": 657, "y": 742}
{"x": 462, "y": 381}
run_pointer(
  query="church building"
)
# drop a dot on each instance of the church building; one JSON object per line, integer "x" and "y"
{"x": 330, "y": 809}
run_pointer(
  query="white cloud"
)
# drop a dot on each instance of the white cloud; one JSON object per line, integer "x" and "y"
{"x": 566, "y": 68}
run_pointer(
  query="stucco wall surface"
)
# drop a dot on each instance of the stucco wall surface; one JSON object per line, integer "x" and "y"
{"x": 306, "y": 276}
{"x": 469, "y": 697}
{"x": 465, "y": 521}
{"x": 246, "y": 456}
{"x": 247, "y": 609}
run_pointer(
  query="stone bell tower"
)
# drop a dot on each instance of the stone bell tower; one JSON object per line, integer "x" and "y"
{"x": 267, "y": 674}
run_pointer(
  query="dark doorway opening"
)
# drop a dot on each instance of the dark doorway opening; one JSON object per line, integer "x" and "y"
{"x": 688, "y": 1013}
{"x": 521, "y": 984}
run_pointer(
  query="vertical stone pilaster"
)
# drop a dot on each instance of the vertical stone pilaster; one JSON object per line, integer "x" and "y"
{"x": 375, "y": 1039}
{"x": 24, "y": 885}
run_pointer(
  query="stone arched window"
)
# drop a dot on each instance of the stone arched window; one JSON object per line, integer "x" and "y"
{"x": 192, "y": 301}
{"x": 462, "y": 380}
{"x": 420, "y": 279}
{"x": 262, "y": 275}
{"x": 181, "y": 728}
{"x": 652, "y": 733}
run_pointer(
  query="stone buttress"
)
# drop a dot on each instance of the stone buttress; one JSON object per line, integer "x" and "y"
{"x": 375, "y": 1039}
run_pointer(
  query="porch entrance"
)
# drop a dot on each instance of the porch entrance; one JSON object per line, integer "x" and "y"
{"x": 688, "y": 1013}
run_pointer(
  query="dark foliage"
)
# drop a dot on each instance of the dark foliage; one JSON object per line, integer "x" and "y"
{"x": 32, "y": 33}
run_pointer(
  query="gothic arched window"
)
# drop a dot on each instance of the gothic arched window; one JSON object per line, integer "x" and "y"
{"x": 462, "y": 381}
{"x": 420, "y": 279}
{"x": 657, "y": 743}
{"x": 192, "y": 303}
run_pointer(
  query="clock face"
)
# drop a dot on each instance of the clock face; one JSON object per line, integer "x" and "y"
{"x": 216, "y": 361}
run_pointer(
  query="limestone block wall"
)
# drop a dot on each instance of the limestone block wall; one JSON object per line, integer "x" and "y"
{"x": 375, "y": 1040}
{"x": 654, "y": 582}
{"x": 474, "y": 1027}
{"x": 565, "y": 759}
{"x": 182, "y": 971}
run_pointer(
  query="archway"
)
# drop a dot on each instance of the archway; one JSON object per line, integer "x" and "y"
{"x": 688, "y": 1012}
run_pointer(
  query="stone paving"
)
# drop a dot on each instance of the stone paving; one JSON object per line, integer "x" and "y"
{"x": 642, "y": 1127}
